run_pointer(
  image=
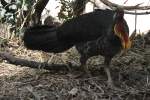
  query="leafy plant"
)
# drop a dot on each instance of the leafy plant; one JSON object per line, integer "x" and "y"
{"x": 66, "y": 11}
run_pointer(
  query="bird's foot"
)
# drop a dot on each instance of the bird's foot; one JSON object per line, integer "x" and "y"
{"x": 43, "y": 65}
{"x": 79, "y": 75}
{"x": 69, "y": 65}
{"x": 111, "y": 85}
{"x": 83, "y": 74}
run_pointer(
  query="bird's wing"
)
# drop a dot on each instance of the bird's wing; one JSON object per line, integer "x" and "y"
{"x": 86, "y": 27}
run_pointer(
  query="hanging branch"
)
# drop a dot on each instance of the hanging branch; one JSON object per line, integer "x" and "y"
{"x": 135, "y": 21}
{"x": 133, "y": 35}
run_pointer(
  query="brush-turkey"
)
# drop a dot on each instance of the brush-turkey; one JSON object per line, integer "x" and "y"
{"x": 101, "y": 32}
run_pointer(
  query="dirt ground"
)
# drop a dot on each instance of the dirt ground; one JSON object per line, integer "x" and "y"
{"x": 131, "y": 75}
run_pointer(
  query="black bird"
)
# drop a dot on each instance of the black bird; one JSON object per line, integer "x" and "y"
{"x": 107, "y": 45}
{"x": 102, "y": 32}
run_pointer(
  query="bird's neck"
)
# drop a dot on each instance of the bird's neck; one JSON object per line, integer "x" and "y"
{"x": 113, "y": 39}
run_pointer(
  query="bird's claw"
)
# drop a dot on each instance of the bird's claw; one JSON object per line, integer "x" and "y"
{"x": 83, "y": 74}
{"x": 112, "y": 86}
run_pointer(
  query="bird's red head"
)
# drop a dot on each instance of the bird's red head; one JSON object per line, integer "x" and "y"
{"x": 121, "y": 29}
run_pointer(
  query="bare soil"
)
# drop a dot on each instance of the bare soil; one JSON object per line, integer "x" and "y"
{"x": 131, "y": 75}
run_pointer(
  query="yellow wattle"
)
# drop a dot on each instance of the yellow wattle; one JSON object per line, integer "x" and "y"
{"x": 125, "y": 44}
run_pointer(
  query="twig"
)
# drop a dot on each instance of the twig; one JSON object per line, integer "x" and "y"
{"x": 114, "y": 6}
{"x": 30, "y": 89}
{"x": 125, "y": 2}
{"x": 137, "y": 13}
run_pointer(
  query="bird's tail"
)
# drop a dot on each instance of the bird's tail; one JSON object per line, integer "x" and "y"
{"x": 44, "y": 38}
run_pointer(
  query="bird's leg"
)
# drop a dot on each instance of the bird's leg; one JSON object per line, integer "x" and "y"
{"x": 44, "y": 59}
{"x": 84, "y": 68}
{"x": 107, "y": 70}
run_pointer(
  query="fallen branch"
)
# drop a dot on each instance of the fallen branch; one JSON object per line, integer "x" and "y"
{"x": 33, "y": 64}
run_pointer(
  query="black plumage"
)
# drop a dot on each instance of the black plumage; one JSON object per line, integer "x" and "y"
{"x": 102, "y": 32}
{"x": 83, "y": 28}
